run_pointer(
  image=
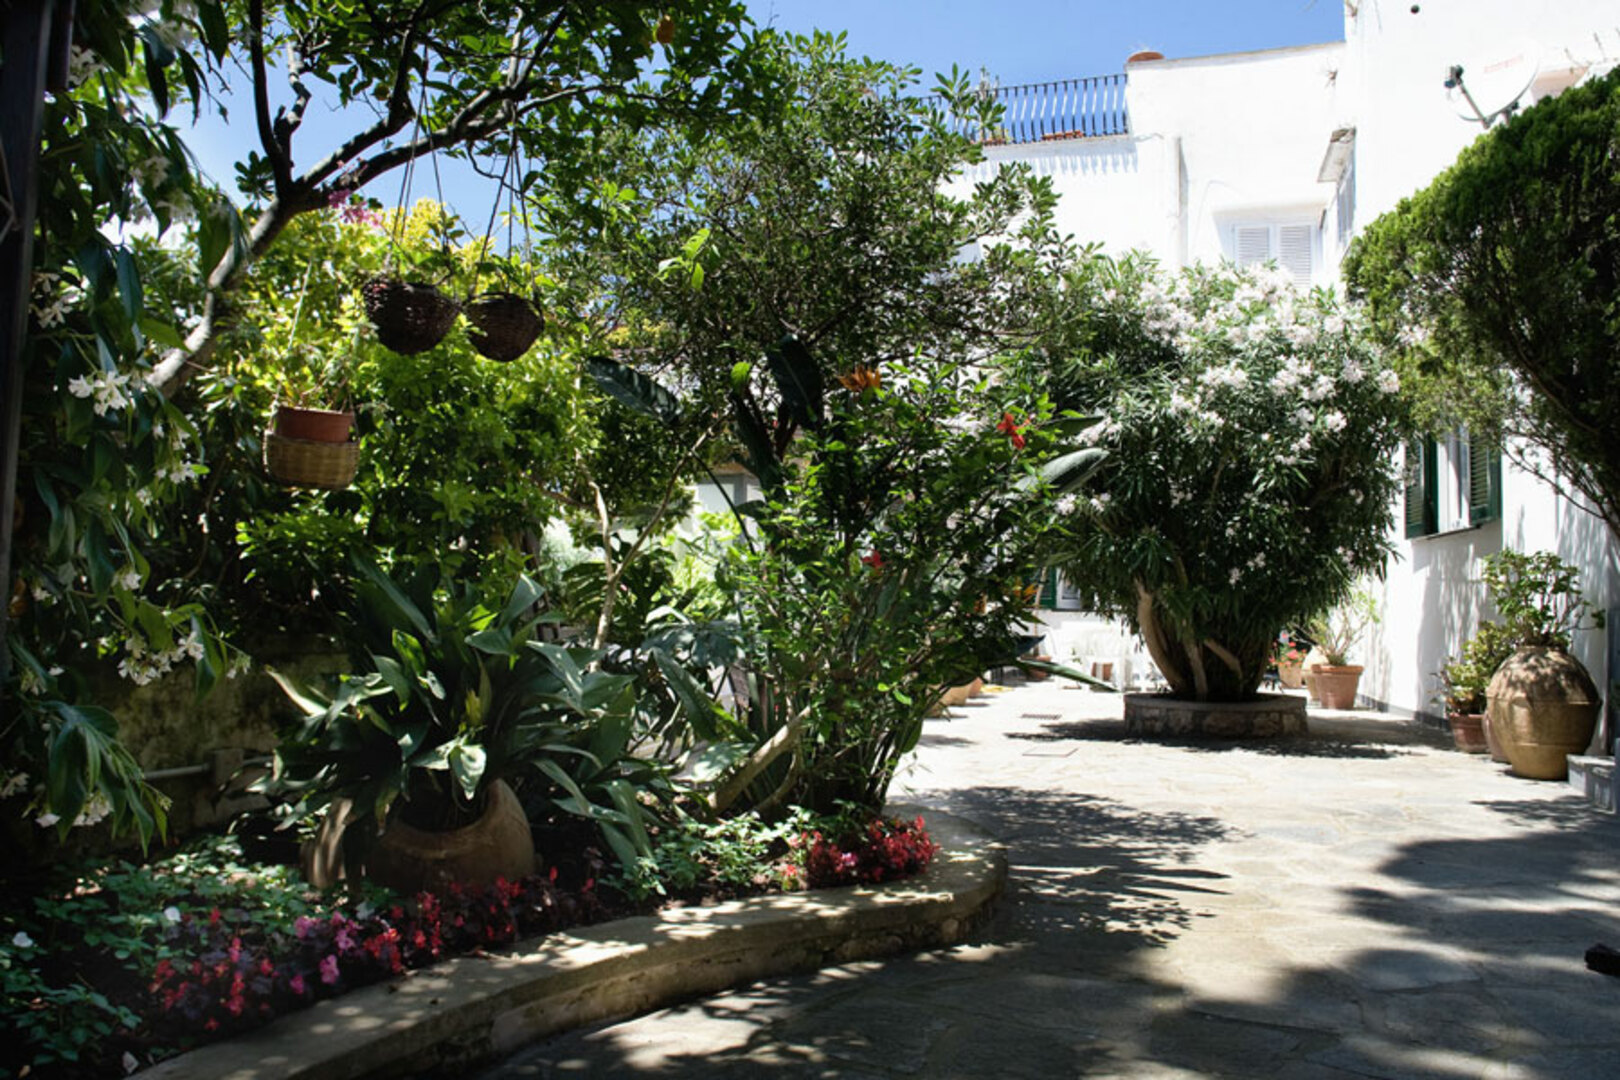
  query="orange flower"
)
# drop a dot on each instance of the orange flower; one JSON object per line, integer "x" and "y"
{"x": 862, "y": 378}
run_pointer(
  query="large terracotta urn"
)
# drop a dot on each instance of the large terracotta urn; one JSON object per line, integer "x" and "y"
{"x": 1542, "y": 706}
{"x": 498, "y": 844}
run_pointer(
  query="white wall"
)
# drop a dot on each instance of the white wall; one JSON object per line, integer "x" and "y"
{"x": 1409, "y": 129}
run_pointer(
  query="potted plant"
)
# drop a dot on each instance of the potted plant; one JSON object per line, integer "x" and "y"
{"x": 1289, "y": 656}
{"x": 1541, "y": 704}
{"x": 1336, "y": 632}
{"x": 453, "y": 704}
{"x": 1463, "y": 684}
{"x": 311, "y": 441}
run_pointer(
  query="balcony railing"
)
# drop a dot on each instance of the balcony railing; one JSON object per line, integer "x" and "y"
{"x": 1065, "y": 109}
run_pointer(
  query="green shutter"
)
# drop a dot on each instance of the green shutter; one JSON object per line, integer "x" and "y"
{"x": 1484, "y": 481}
{"x": 1049, "y": 589}
{"x": 1422, "y": 517}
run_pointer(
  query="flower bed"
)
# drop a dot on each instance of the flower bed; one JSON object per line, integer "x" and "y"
{"x": 133, "y": 964}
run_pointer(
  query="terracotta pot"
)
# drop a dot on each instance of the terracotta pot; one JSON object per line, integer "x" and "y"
{"x": 1543, "y": 707}
{"x": 498, "y": 844}
{"x": 314, "y": 425}
{"x": 1468, "y": 732}
{"x": 1336, "y": 686}
{"x": 1291, "y": 676}
{"x": 1038, "y": 676}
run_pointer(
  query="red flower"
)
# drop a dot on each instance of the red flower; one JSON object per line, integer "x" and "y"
{"x": 1009, "y": 428}
{"x": 873, "y": 559}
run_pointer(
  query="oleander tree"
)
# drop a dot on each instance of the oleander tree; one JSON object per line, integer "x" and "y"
{"x": 1498, "y": 286}
{"x": 1251, "y": 433}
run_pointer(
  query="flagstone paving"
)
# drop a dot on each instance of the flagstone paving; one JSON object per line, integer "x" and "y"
{"x": 1358, "y": 902}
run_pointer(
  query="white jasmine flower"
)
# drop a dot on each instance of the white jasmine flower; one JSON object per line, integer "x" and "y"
{"x": 1235, "y": 576}
{"x": 1413, "y": 336}
{"x": 21, "y": 940}
{"x": 47, "y": 819}
{"x": 128, "y": 578}
{"x": 171, "y": 914}
{"x": 16, "y": 784}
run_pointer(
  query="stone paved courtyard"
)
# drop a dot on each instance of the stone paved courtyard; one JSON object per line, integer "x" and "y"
{"x": 1361, "y": 902}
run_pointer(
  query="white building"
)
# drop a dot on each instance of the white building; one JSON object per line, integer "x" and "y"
{"x": 1287, "y": 154}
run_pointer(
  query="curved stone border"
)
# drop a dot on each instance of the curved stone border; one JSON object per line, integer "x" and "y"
{"x": 470, "y": 1009}
{"x": 1269, "y": 716}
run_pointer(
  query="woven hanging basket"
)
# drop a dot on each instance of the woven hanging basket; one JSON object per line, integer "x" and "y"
{"x": 410, "y": 316}
{"x": 504, "y": 325}
{"x": 308, "y": 463}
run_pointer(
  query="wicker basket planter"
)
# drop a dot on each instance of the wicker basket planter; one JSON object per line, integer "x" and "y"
{"x": 410, "y": 316}
{"x": 312, "y": 448}
{"x": 504, "y": 325}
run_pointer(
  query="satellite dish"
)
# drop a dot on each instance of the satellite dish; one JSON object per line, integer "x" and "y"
{"x": 1488, "y": 85}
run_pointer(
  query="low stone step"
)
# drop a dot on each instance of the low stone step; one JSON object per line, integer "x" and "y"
{"x": 1595, "y": 779}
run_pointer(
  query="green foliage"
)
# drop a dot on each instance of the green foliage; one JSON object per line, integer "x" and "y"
{"x": 1538, "y": 597}
{"x": 117, "y": 912}
{"x": 741, "y": 853}
{"x": 888, "y": 560}
{"x": 456, "y": 692}
{"x": 122, "y": 557}
{"x": 829, "y": 212}
{"x": 1498, "y": 283}
{"x": 1463, "y": 682}
{"x": 1250, "y": 432}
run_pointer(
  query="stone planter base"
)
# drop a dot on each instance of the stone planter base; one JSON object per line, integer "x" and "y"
{"x": 1268, "y": 716}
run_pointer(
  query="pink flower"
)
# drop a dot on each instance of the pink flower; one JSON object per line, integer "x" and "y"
{"x": 296, "y": 985}
{"x": 329, "y": 969}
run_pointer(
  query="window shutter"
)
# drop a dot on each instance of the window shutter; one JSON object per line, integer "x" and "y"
{"x": 1294, "y": 243}
{"x": 1421, "y": 509}
{"x": 1253, "y": 244}
{"x": 1484, "y": 481}
{"x": 1049, "y": 589}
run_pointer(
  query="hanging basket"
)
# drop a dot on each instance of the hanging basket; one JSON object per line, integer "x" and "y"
{"x": 410, "y": 317}
{"x": 504, "y": 325}
{"x": 316, "y": 450}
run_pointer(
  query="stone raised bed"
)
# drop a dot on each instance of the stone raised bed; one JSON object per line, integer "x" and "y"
{"x": 469, "y": 1010}
{"x": 1269, "y": 716}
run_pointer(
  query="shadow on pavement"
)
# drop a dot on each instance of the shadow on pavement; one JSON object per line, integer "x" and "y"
{"x": 1039, "y": 993}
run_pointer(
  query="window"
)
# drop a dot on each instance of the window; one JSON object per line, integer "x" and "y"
{"x": 1454, "y": 482}
{"x": 1345, "y": 197}
{"x": 1291, "y": 246}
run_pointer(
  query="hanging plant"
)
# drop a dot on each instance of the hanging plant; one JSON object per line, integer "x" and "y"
{"x": 504, "y": 325}
{"x": 305, "y": 445}
{"x": 410, "y": 316}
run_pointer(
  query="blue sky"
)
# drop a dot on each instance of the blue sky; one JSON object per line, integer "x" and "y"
{"x": 1021, "y": 41}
